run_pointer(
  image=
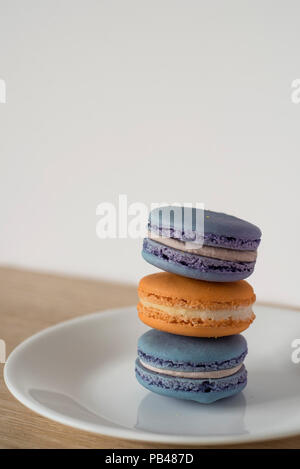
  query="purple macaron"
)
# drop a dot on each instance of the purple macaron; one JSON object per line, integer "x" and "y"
{"x": 193, "y": 368}
{"x": 201, "y": 244}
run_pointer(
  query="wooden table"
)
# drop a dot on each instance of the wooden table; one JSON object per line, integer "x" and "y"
{"x": 31, "y": 301}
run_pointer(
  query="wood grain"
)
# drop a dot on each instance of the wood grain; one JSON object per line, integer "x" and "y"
{"x": 31, "y": 301}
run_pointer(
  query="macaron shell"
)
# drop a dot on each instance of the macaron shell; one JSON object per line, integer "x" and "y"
{"x": 174, "y": 290}
{"x": 191, "y": 353}
{"x": 206, "y": 251}
{"x": 219, "y": 229}
{"x": 180, "y": 353}
{"x": 207, "y": 271}
{"x": 192, "y": 330}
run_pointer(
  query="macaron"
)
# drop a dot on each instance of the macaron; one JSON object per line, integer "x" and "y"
{"x": 189, "y": 307}
{"x": 201, "y": 244}
{"x": 193, "y": 368}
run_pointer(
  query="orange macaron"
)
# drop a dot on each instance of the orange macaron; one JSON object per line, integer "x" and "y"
{"x": 190, "y": 307}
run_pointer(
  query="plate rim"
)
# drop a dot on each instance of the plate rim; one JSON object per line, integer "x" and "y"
{"x": 122, "y": 432}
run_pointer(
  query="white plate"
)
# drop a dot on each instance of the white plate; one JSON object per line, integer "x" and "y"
{"x": 81, "y": 373}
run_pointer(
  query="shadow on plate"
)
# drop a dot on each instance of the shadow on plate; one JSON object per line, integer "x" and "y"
{"x": 68, "y": 407}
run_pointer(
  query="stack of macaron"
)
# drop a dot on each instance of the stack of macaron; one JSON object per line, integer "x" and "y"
{"x": 198, "y": 306}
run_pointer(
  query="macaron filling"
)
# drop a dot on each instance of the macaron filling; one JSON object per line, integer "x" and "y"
{"x": 205, "y": 251}
{"x": 239, "y": 313}
{"x": 215, "y": 374}
{"x": 208, "y": 239}
{"x": 153, "y": 380}
{"x": 195, "y": 261}
{"x": 191, "y": 366}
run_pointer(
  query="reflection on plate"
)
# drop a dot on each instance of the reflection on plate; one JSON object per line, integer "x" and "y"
{"x": 190, "y": 418}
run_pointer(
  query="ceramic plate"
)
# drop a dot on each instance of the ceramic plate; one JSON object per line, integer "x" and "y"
{"x": 81, "y": 373}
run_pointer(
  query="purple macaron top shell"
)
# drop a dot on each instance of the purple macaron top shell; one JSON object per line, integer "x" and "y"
{"x": 204, "y": 226}
{"x": 181, "y": 353}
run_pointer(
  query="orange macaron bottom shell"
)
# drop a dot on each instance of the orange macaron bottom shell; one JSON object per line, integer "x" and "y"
{"x": 193, "y": 327}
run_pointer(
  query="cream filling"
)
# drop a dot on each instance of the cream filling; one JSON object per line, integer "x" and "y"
{"x": 240, "y": 313}
{"x": 206, "y": 251}
{"x": 194, "y": 374}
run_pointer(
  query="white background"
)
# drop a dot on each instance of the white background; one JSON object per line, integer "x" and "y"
{"x": 162, "y": 100}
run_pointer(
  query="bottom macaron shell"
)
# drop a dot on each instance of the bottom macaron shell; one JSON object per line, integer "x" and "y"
{"x": 204, "y": 391}
{"x": 209, "y": 273}
{"x": 193, "y": 330}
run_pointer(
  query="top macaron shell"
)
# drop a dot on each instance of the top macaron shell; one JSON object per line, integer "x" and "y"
{"x": 219, "y": 229}
{"x": 175, "y": 290}
{"x": 180, "y": 353}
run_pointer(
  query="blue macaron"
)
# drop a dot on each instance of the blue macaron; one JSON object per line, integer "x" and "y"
{"x": 201, "y": 244}
{"x": 199, "y": 369}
